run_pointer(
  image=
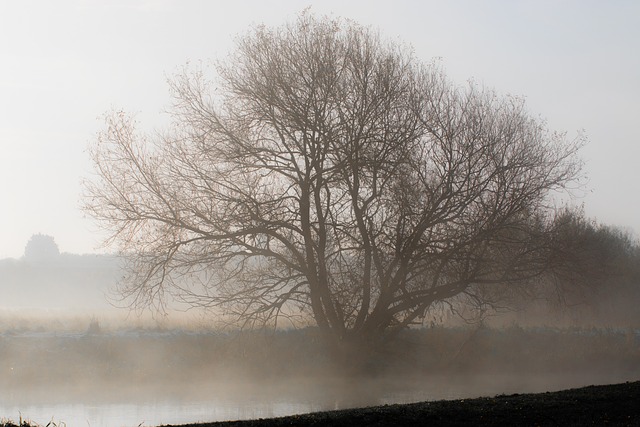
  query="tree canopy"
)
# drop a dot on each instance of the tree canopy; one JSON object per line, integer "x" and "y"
{"x": 41, "y": 247}
{"x": 323, "y": 172}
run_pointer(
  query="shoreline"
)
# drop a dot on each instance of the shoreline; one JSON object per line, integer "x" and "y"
{"x": 614, "y": 405}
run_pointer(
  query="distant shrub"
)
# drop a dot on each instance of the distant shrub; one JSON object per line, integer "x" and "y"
{"x": 41, "y": 248}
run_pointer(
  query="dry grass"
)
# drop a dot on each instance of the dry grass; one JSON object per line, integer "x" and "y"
{"x": 28, "y": 423}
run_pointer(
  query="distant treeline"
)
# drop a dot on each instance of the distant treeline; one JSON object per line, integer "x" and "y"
{"x": 63, "y": 281}
{"x": 597, "y": 282}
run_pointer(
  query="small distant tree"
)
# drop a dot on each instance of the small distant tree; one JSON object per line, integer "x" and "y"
{"x": 328, "y": 174}
{"x": 41, "y": 247}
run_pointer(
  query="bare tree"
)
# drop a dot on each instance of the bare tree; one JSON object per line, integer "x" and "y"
{"x": 328, "y": 174}
{"x": 595, "y": 272}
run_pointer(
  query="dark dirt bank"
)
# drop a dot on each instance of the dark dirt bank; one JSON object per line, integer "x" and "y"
{"x": 612, "y": 405}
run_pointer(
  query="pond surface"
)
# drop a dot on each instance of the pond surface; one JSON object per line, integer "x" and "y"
{"x": 148, "y": 413}
{"x": 222, "y": 402}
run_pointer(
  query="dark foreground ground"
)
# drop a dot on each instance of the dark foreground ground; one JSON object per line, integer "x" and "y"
{"x": 610, "y": 405}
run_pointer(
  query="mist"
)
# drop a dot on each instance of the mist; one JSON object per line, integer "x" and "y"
{"x": 66, "y": 348}
{"x": 72, "y": 349}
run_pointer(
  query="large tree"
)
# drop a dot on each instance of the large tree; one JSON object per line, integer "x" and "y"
{"x": 325, "y": 173}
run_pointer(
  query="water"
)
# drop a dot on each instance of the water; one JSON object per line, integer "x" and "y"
{"x": 155, "y": 377}
{"x": 149, "y": 413}
{"x": 158, "y": 411}
{"x": 220, "y": 403}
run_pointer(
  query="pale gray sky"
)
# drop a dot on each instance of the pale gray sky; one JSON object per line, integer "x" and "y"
{"x": 64, "y": 63}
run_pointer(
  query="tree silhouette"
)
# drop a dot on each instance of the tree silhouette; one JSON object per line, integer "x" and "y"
{"x": 328, "y": 174}
{"x": 41, "y": 247}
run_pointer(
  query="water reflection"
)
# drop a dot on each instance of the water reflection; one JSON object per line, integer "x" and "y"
{"x": 149, "y": 413}
{"x": 266, "y": 401}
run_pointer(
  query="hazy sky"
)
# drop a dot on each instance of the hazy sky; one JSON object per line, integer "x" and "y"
{"x": 65, "y": 63}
